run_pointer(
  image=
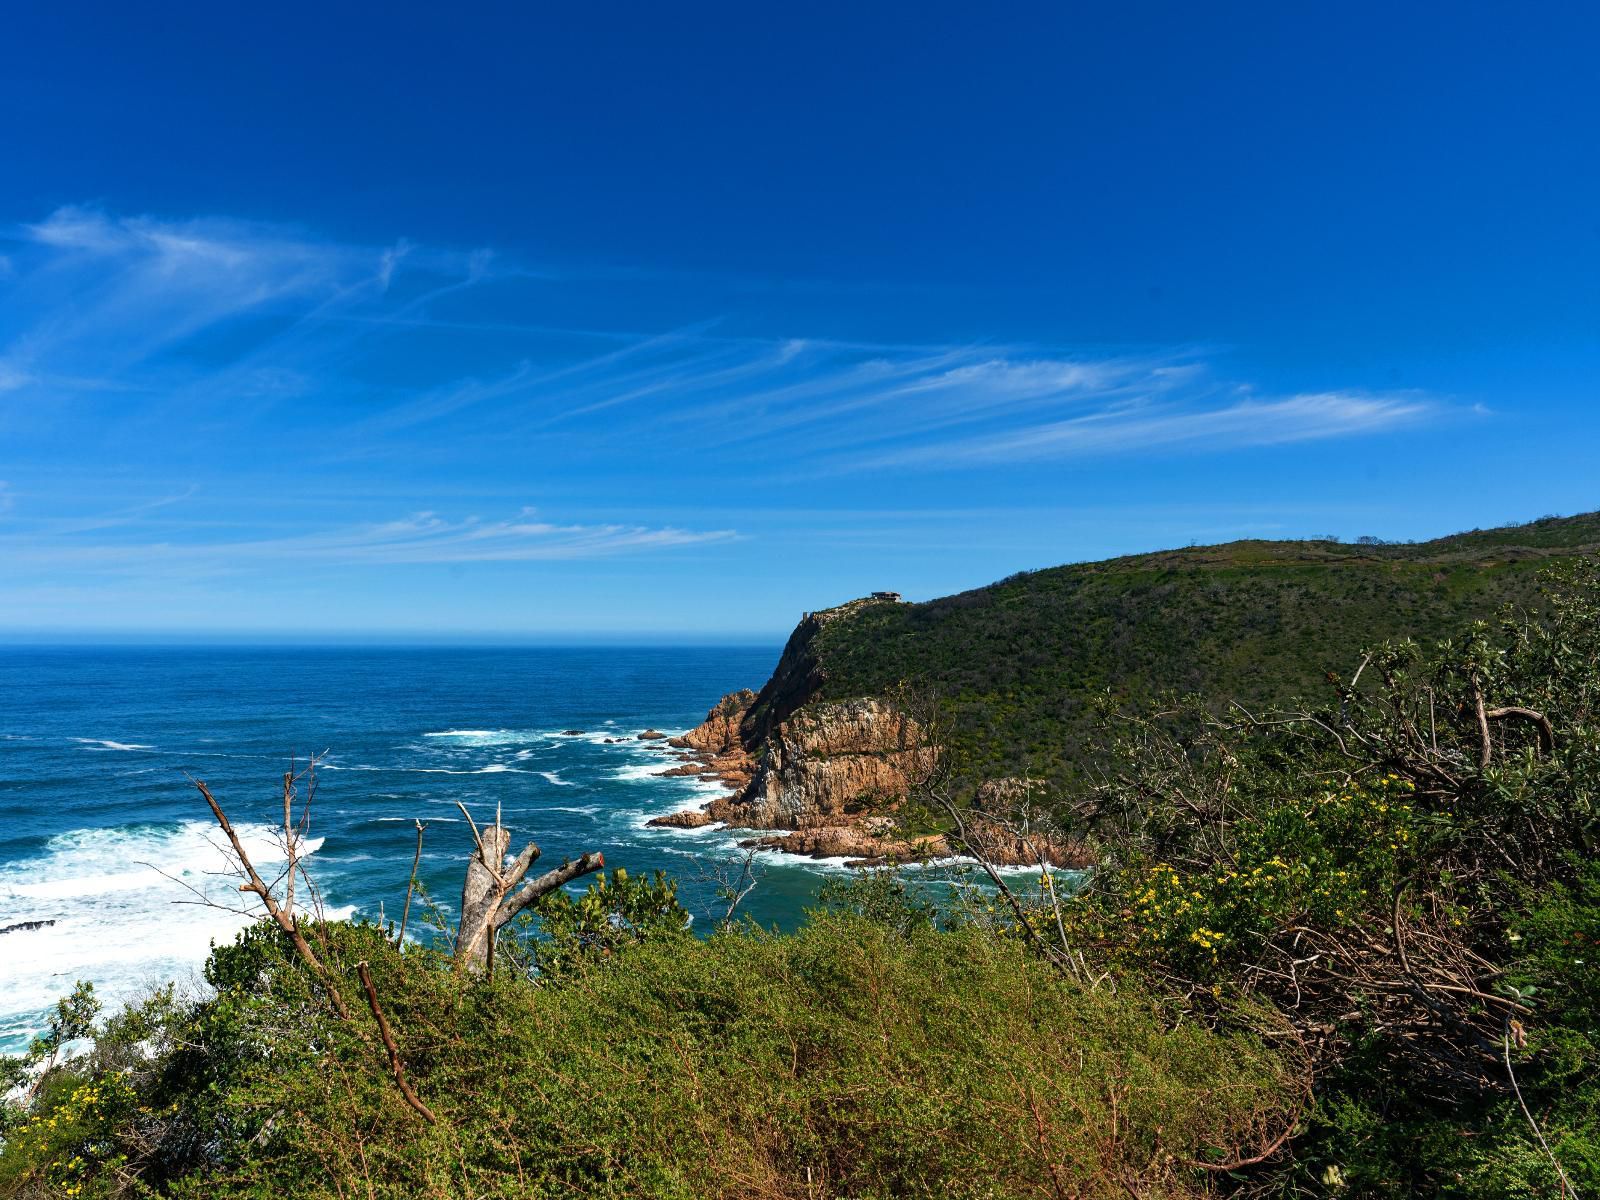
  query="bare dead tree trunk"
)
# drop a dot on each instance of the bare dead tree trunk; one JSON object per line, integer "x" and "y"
{"x": 1486, "y": 741}
{"x": 482, "y": 891}
{"x": 488, "y": 902}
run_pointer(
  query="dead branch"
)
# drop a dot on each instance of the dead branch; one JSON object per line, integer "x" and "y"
{"x": 395, "y": 1065}
{"x": 1547, "y": 733}
{"x": 289, "y": 847}
{"x": 1486, "y": 741}
{"x": 731, "y": 879}
{"x": 1566, "y": 1184}
{"x": 284, "y": 918}
{"x": 411, "y": 886}
{"x": 1066, "y": 967}
{"x": 548, "y": 882}
{"x": 1240, "y": 1162}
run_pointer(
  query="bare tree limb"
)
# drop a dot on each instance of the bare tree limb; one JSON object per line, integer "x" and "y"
{"x": 395, "y": 1066}
{"x": 1486, "y": 752}
{"x": 411, "y": 886}
{"x": 1547, "y": 733}
{"x": 284, "y": 918}
{"x": 548, "y": 882}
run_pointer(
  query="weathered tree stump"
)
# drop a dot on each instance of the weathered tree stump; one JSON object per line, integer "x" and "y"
{"x": 488, "y": 901}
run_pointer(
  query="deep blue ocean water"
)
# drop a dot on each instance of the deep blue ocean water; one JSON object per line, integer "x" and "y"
{"x": 96, "y": 811}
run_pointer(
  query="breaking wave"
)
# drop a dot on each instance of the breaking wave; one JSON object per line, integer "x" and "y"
{"x": 123, "y": 908}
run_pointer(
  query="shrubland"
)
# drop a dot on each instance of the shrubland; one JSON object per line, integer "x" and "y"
{"x": 874, "y": 1053}
{"x": 1405, "y": 874}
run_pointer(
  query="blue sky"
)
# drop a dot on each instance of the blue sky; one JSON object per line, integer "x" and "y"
{"x": 645, "y": 320}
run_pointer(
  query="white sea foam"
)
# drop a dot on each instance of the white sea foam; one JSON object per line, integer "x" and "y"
{"x": 106, "y": 744}
{"x": 491, "y": 769}
{"x": 490, "y": 737}
{"x": 119, "y": 900}
{"x": 704, "y": 789}
{"x": 635, "y": 772}
{"x": 592, "y": 738}
{"x": 555, "y": 778}
{"x": 582, "y": 810}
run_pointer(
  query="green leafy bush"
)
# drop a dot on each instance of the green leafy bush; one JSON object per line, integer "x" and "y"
{"x": 613, "y": 912}
{"x": 855, "y": 1058}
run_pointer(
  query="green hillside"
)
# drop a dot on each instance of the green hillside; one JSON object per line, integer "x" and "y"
{"x": 1019, "y": 662}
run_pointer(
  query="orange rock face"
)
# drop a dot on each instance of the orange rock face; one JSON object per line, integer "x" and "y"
{"x": 858, "y": 843}
{"x": 715, "y": 751}
{"x": 831, "y": 762}
{"x": 719, "y": 732}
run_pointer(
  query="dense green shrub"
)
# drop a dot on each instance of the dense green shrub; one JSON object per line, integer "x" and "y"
{"x": 615, "y": 911}
{"x": 855, "y": 1058}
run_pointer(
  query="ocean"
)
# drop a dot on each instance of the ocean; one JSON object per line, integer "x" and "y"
{"x": 106, "y": 842}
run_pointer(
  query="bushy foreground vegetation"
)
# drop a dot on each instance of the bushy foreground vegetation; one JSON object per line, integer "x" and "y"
{"x": 868, "y": 1055}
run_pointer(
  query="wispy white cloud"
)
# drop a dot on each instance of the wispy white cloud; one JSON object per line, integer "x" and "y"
{"x": 221, "y": 325}
{"x": 419, "y": 538}
{"x": 1144, "y": 426}
{"x": 212, "y": 348}
{"x": 428, "y": 538}
{"x": 283, "y": 396}
{"x": 97, "y": 299}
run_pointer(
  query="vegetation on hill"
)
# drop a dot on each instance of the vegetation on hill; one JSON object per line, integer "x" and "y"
{"x": 1021, "y": 664}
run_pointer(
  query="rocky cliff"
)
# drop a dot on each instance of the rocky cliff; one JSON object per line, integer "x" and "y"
{"x": 823, "y": 778}
{"x": 828, "y": 764}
